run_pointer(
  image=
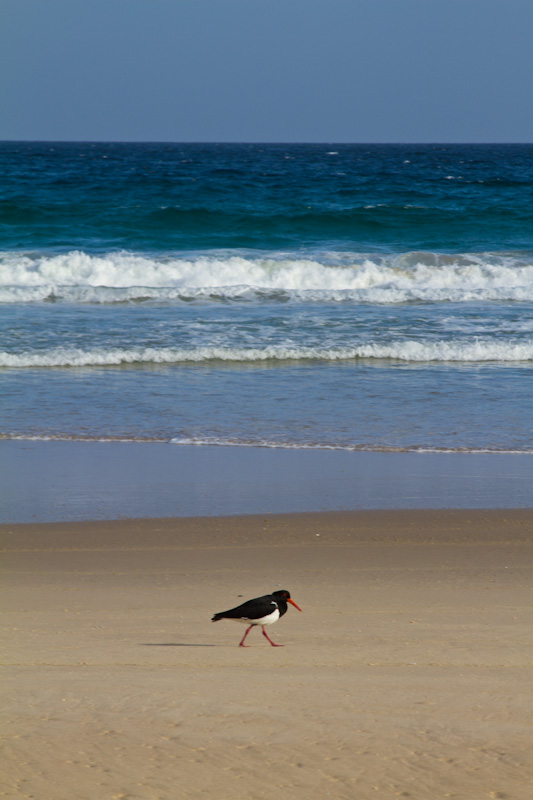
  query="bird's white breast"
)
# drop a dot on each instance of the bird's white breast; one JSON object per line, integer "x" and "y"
{"x": 268, "y": 619}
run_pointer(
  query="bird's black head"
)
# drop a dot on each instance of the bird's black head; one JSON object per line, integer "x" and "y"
{"x": 284, "y": 597}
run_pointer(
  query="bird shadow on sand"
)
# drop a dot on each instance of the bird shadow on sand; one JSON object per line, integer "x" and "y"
{"x": 175, "y": 644}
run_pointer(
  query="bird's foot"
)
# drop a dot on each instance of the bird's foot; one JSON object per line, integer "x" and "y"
{"x": 265, "y": 634}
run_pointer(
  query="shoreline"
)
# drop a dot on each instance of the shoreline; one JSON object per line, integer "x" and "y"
{"x": 68, "y": 481}
{"x": 407, "y": 674}
{"x": 362, "y": 526}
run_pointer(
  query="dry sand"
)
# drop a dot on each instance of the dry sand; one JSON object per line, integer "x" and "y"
{"x": 408, "y": 674}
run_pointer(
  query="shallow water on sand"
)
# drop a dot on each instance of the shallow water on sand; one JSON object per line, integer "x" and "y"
{"x": 51, "y": 481}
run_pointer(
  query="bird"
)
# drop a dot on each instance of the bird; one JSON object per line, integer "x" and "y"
{"x": 260, "y": 611}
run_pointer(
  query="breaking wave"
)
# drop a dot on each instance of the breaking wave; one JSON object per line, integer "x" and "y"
{"x": 122, "y": 277}
{"x": 407, "y": 351}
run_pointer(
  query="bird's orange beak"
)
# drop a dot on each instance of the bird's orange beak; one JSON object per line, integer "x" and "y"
{"x": 294, "y": 604}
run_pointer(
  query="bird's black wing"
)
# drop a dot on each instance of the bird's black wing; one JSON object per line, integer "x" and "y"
{"x": 252, "y": 609}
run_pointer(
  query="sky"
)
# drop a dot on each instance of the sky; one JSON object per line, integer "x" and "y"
{"x": 267, "y": 70}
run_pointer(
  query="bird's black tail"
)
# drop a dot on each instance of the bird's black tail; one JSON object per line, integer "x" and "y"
{"x": 217, "y": 617}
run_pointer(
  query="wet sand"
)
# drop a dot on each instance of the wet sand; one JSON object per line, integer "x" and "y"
{"x": 47, "y": 481}
{"x": 408, "y": 674}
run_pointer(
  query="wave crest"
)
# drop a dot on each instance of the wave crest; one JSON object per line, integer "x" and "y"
{"x": 79, "y": 277}
{"x": 406, "y": 351}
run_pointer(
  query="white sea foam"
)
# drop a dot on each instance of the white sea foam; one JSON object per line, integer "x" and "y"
{"x": 406, "y": 351}
{"x": 212, "y": 442}
{"x": 78, "y": 277}
{"x": 208, "y": 441}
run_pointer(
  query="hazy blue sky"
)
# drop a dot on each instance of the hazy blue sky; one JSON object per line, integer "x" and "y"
{"x": 267, "y": 70}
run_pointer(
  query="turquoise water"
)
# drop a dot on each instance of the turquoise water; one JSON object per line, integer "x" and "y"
{"x": 162, "y": 198}
{"x": 343, "y": 297}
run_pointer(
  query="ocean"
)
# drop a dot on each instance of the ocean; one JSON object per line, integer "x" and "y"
{"x": 288, "y": 296}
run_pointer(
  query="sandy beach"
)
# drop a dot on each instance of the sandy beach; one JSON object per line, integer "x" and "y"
{"x": 408, "y": 674}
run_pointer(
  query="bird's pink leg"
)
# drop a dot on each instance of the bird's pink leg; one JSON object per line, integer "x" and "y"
{"x": 269, "y": 639}
{"x": 241, "y": 643}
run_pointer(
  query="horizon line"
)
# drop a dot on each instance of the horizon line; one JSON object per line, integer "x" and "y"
{"x": 329, "y": 143}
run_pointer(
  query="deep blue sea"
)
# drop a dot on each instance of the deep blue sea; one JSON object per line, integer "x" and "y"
{"x": 356, "y": 297}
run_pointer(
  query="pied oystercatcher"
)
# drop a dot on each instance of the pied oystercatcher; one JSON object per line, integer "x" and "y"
{"x": 260, "y": 611}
